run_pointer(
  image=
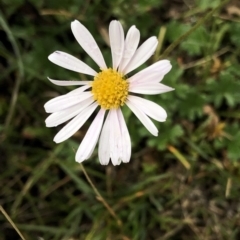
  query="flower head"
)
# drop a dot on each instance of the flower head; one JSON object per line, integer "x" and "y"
{"x": 110, "y": 89}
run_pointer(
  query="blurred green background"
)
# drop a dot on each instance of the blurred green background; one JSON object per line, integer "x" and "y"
{"x": 183, "y": 184}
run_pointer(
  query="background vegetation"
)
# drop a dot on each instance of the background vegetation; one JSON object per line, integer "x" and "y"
{"x": 183, "y": 184}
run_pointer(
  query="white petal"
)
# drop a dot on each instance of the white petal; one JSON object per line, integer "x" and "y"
{"x": 143, "y": 53}
{"x": 162, "y": 67}
{"x": 116, "y": 146}
{"x": 116, "y": 37}
{"x": 69, "y": 62}
{"x": 62, "y": 102}
{"x": 146, "y": 121}
{"x": 75, "y": 124}
{"x": 104, "y": 144}
{"x": 115, "y": 141}
{"x": 69, "y": 82}
{"x": 90, "y": 140}
{"x": 147, "y": 78}
{"x": 126, "y": 141}
{"x": 153, "y": 73}
{"x": 79, "y": 90}
{"x": 150, "y": 108}
{"x": 130, "y": 46}
{"x": 60, "y": 117}
{"x": 87, "y": 42}
{"x": 151, "y": 89}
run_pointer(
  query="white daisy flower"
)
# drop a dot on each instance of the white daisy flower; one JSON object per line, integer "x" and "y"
{"x": 110, "y": 89}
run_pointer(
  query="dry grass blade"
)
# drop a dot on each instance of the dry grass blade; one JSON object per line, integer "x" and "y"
{"x": 100, "y": 198}
{"x": 179, "y": 156}
{"x": 11, "y": 222}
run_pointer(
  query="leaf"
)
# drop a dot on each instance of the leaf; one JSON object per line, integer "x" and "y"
{"x": 225, "y": 88}
{"x": 191, "y": 105}
{"x": 231, "y": 143}
{"x": 167, "y": 135}
{"x": 196, "y": 42}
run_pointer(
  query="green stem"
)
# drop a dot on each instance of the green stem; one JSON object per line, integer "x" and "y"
{"x": 185, "y": 35}
{"x": 20, "y": 74}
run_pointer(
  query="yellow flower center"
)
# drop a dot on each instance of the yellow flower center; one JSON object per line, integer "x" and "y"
{"x": 110, "y": 89}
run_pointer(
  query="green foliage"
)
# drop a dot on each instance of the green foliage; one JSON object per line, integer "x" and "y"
{"x": 175, "y": 29}
{"x": 234, "y": 30}
{"x": 225, "y": 88}
{"x": 197, "y": 42}
{"x": 231, "y": 143}
{"x": 205, "y": 4}
{"x": 168, "y": 135}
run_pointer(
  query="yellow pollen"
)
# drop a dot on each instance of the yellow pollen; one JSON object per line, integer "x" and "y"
{"x": 110, "y": 89}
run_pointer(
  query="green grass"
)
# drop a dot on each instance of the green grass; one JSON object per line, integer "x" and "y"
{"x": 181, "y": 185}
